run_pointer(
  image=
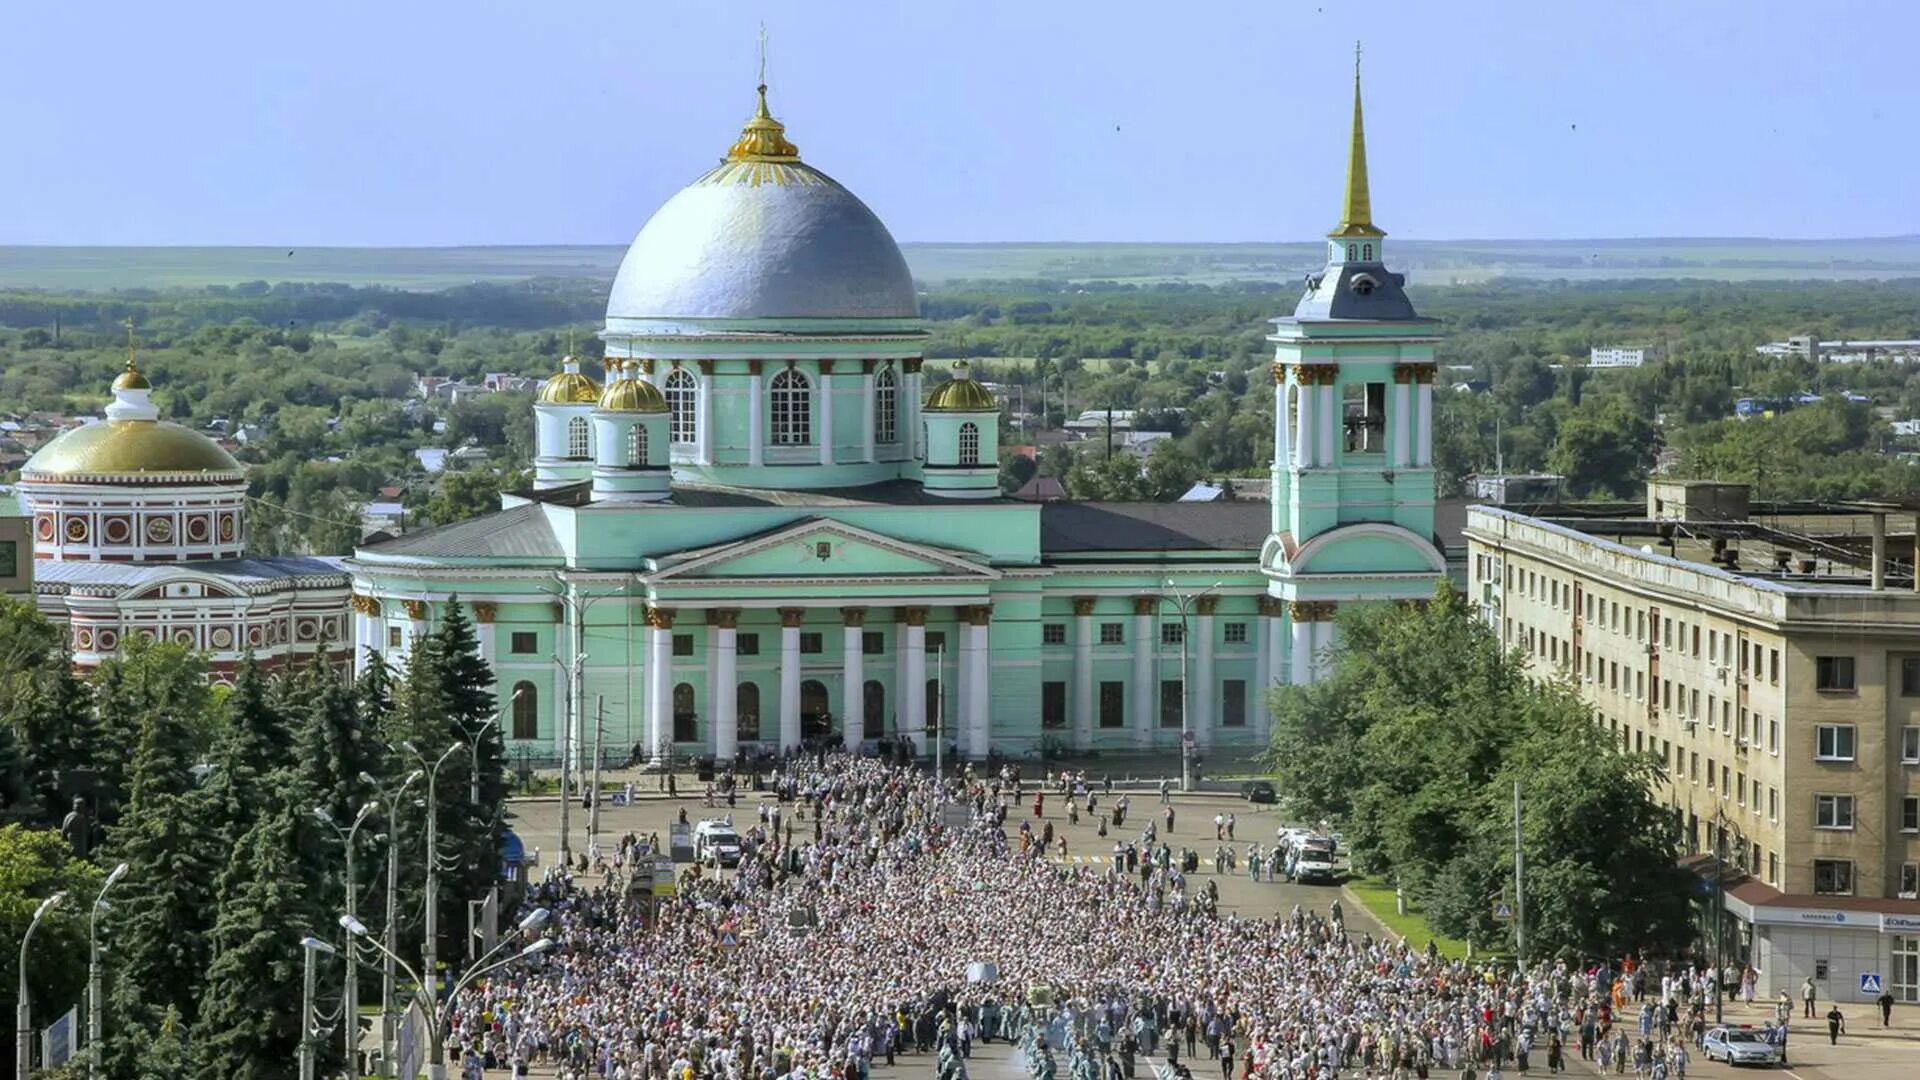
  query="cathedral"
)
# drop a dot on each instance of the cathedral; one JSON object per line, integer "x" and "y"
{"x": 760, "y": 527}
{"x": 139, "y": 530}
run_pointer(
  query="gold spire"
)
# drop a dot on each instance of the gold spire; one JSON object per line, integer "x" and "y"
{"x": 1356, "y": 218}
{"x": 131, "y": 379}
{"x": 764, "y": 138}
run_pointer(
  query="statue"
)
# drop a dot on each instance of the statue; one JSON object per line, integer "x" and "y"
{"x": 77, "y": 828}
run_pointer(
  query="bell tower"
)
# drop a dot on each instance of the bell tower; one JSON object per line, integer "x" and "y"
{"x": 1352, "y": 473}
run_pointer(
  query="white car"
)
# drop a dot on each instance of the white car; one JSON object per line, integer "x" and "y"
{"x": 1739, "y": 1046}
{"x": 716, "y": 844}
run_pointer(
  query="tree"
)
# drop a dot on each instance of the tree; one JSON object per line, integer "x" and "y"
{"x": 1604, "y": 452}
{"x": 333, "y": 747}
{"x": 52, "y": 716}
{"x": 35, "y": 864}
{"x": 466, "y": 494}
{"x": 143, "y": 679}
{"x": 254, "y": 744}
{"x": 1015, "y": 471}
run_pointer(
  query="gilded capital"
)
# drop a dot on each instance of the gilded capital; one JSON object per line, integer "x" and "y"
{"x": 977, "y": 614}
{"x": 660, "y": 618}
{"x": 1279, "y": 372}
{"x": 1403, "y": 373}
{"x": 853, "y": 616}
{"x": 912, "y": 616}
{"x": 792, "y": 616}
{"x": 1206, "y": 605}
{"x": 911, "y": 365}
{"x": 706, "y": 366}
{"x": 416, "y": 610}
{"x": 1146, "y": 605}
{"x": 1083, "y": 605}
{"x": 1423, "y": 373}
{"x": 725, "y": 618}
{"x": 484, "y": 611}
{"x": 826, "y": 367}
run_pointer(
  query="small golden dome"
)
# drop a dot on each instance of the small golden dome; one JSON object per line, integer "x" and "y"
{"x": 569, "y": 387}
{"x": 625, "y": 393}
{"x": 764, "y": 139}
{"x": 131, "y": 378}
{"x": 139, "y": 450}
{"x": 961, "y": 394}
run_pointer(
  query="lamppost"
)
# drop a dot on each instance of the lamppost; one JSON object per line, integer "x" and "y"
{"x": 95, "y": 1023}
{"x": 436, "y": 1017}
{"x": 571, "y": 676}
{"x": 433, "y": 861}
{"x": 309, "y": 1036}
{"x": 350, "y": 992}
{"x": 1183, "y": 602}
{"x": 23, "y": 1012}
{"x": 392, "y": 799}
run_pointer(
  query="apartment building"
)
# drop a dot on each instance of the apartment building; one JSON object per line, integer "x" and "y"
{"x": 1783, "y": 701}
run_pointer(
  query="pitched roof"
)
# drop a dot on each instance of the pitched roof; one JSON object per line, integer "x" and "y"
{"x": 518, "y": 532}
{"x": 1068, "y": 527}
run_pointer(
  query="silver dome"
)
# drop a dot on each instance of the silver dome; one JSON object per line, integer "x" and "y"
{"x": 759, "y": 240}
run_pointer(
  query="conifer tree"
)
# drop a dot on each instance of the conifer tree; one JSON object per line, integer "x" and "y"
{"x": 143, "y": 678}
{"x": 332, "y": 747}
{"x": 57, "y": 733}
{"x": 166, "y": 1057}
{"x": 254, "y": 742}
{"x": 466, "y": 687}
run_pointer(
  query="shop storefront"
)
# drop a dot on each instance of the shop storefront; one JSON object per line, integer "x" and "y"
{"x": 1851, "y": 947}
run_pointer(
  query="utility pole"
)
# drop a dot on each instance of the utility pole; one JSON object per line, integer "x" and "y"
{"x": 96, "y": 1017}
{"x": 1719, "y": 907}
{"x": 1519, "y": 885}
{"x": 939, "y": 709}
{"x": 599, "y": 734}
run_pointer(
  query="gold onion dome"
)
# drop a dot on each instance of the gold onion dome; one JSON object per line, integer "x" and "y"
{"x": 961, "y": 393}
{"x": 569, "y": 387}
{"x": 131, "y": 378}
{"x": 626, "y": 393}
{"x": 131, "y": 450}
{"x": 764, "y": 139}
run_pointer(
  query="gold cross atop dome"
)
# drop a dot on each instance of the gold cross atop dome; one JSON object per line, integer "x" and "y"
{"x": 1356, "y": 218}
{"x": 131, "y": 379}
{"x": 764, "y": 138}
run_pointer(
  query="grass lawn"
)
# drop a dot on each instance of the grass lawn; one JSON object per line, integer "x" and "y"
{"x": 1377, "y": 897}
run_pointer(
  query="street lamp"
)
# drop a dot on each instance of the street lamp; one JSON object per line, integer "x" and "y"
{"x": 1183, "y": 602}
{"x": 350, "y": 994}
{"x": 571, "y": 676}
{"x": 95, "y": 1024}
{"x": 392, "y": 799}
{"x": 438, "y": 1015}
{"x": 23, "y": 1012}
{"x": 433, "y": 859}
{"x": 309, "y": 1036}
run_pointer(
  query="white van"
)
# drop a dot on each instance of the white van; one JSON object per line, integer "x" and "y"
{"x": 716, "y": 844}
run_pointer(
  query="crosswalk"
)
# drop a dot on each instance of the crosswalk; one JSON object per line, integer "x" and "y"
{"x": 1094, "y": 860}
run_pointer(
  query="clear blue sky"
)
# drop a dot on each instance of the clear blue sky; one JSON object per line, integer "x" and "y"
{"x": 567, "y": 121}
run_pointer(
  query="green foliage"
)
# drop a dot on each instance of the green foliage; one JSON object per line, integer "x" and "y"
{"x": 142, "y": 680}
{"x": 47, "y": 726}
{"x": 35, "y": 864}
{"x": 470, "y": 493}
{"x": 254, "y": 744}
{"x": 1414, "y": 742}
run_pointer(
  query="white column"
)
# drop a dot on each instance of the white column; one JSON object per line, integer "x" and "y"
{"x": 979, "y": 682}
{"x": 1322, "y": 641}
{"x": 853, "y": 675}
{"x": 659, "y": 681}
{"x": 1303, "y": 424}
{"x": 1146, "y": 697}
{"x": 826, "y": 417}
{"x": 867, "y": 451}
{"x": 703, "y": 421}
{"x": 1275, "y": 641}
{"x": 913, "y": 696}
{"x": 1402, "y": 424}
{"x": 911, "y": 383}
{"x": 724, "y": 663}
{"x": 961, "y": 728}
{"x": 1302, "y": 645}
{"x": 1329, "y": 422}
{"x": 1262, "y": 663}
{"x": 1282, "y": 446}
{"x": 1201, "y": 693}
{"x": 1426, "y": 424}
{"x": 790, "y": 677}
{"x": 756, "y": 420}
{"x": 1083, "y": 672}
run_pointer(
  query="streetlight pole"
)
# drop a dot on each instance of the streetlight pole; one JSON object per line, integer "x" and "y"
{"x": 23, "y": 1012}
{"x": 939, "y": 711}
{"x": 433, "y": 863}
{"x": 387, "y": 976}
{"x": 95, "y": 1022}
{"x": 1182, "y": 602}
{"x": 436, "y": 1016}
{"x": 350, "y": 992}
{"x": 599, "y": 734}
{"x": 309, "y": 1037}
{"x": 571, "y": 676}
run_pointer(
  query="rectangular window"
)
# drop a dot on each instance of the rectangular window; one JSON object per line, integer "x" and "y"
{"x": 1053, "y": 705}
{"x": 1773, "y": 736}
{"x": 1053, "y": 633}
{"x": 524, "y": 642}
{"x": 873, "y": 643}
{"x": 1713, "y": 771}
{"x": 1909, "y": 881}
{"x": 1235, "y": 633}
{"x": 936, "y": 641}
{"x": 1773, "y": 804}
{"x": 393, "y": 637}
{"x": 1693, "y": 767}
{"x": 1773, "y": 868}
{"x": 683, "y": 644}
{"x": 1113, "y": 633}
{"x": 1113, "y": 704}
{"x": 746, "y": 644}
{"x": 1740, "y": 788}
{"x": 1833, "y": 674}
{"x": 1833, "y": 877}
{"x": 1170, "y": 703}
{"x": 1172, "y": 633}
{"x": 1773, "y": 666}
{"x": 811, "y": 643}
{"x": 1233, "y": 703}
{"x": 1833, "y": 742}
{"x": 1833, "y": 811}
{"x": 1910, "y": 745}
{"x": 1910, "y": 814}
{"x": 1910, "y": 676}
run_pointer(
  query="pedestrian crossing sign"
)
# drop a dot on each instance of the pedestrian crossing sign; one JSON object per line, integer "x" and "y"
{"x": 1869, "y": 982}
{"x": 729, "y": 939}
{"x": 1503, "y": 911}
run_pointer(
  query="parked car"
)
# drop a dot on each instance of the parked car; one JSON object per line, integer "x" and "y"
{"x": 1259, "y": 791}
{"x": 1739, "y": 1046}
{"x": 716, "y": 844}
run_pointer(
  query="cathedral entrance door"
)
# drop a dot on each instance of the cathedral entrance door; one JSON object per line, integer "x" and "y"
{"x": 815, "y": 721}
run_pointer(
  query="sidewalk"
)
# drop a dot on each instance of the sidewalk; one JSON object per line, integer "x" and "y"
{"x": 1863, "y": 1019}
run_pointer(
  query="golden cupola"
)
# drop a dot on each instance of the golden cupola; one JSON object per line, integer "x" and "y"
{"x": 626, "y": 392}
{"x": 569, "y": 386}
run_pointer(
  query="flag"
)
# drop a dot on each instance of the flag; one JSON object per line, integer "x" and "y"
{"x": 57, "y": 1041}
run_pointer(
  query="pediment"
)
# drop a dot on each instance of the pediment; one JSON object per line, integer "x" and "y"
{"x": 821, "y": 547}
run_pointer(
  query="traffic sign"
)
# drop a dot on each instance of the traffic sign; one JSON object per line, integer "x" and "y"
{"x": 729, "y": 939}
{"x": 1503, "y": 911}
{"x": 1870, "y": 982}
{"x": 1187, "y": 737}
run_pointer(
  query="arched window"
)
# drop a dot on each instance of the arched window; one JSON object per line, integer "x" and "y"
{"x": 1366, "y": 252}
{"x": 1351, "y": 253}
{"x": 873, "y": 710}
{"x": 969, "y": 443}
{"x": 685, "y": 727}
{"x": 792, "y": 400}
{"x": 816, "y": 718}
{"x": 637, "y": 446}
{"x": 526, "y": 711}
{"x": 746, "y": 710}
{"x": 682, "y": 389}
{"x": 577, "y": 445}
{"x": 885, "y": 394}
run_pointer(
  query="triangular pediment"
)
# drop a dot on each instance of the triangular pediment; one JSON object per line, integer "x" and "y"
{"x": 820, "y": 547}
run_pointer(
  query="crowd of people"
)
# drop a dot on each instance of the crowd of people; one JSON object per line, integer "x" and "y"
{"x": 893, "y": 915}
